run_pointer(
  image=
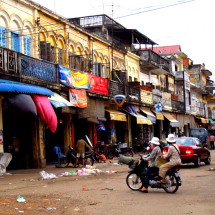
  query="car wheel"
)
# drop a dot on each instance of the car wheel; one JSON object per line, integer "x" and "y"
{"x": 208, "y": 160}
{"x": 197, "y": 163}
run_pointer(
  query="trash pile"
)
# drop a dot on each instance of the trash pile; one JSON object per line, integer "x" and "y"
{"x": 88, "y": 170}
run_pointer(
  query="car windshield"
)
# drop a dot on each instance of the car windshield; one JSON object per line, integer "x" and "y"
{"x": 197, "y": 132}
{"x": 185, "y": 141}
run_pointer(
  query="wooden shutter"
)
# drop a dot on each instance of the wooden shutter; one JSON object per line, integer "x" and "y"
{"x": 3, "y": 37}
{"x": 43, "y": 51}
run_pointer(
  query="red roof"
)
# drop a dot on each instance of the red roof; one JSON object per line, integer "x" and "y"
{"x": 167, "y": 49}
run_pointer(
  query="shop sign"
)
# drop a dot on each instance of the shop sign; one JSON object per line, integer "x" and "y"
{"x": 187, "y": 81}
{"x": 78, "y": 98}
{"x": 119, "y": 100}
{"x": 98, "y": 84}
{"x": 146, "y": 97}
{"x": 171, "y": 84}
{"x": 166, "y": 101}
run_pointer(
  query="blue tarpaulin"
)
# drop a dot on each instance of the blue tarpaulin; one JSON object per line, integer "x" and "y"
{"x": 18, "y": 87}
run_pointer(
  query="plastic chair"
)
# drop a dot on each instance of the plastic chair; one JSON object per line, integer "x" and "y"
{"x": 58, "y": 152}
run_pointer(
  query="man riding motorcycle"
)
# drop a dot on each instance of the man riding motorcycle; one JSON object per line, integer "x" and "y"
{"x": 156, "y": 151}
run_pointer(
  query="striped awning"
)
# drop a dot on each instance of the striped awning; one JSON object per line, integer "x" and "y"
{"x": 18, "y": 87}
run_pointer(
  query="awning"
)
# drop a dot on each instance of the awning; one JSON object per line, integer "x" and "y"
{"x": 173, "y": 121}
{"x": 203, "y": 120}
{"x": 142, "y": 119}
{"x": 18, "y": 87}
{"x": 149, "y": 114}
{"x": 24, "y": 103}
{"x": 159, "y": 115}
{"x": 58, "y": 101}
{"x": 117, "y": 115}
{"x": 211, "y": 121}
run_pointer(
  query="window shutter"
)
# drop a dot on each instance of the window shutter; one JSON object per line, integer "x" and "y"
{"x": 27, "y": 45}
{"x": 15, "y": 41}
{"x": 3, "y": 37}
{"x": 99, "y": 70}
{"x": 43, "y": 52}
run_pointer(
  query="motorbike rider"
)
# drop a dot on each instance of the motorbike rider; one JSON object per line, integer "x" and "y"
{"x": 174, "y": 157}
{"x": 156, "y": 151}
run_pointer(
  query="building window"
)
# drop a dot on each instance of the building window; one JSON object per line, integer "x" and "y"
{"x": 47, "y": 52}
{"x": 97, "y": 69}
{"x": 27, "y": 45}
{"x": 60, "y": 56}
{"x": 15, "y": 41}
{"x": 3, "y": 37}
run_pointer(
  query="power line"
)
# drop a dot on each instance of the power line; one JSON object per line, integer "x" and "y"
{"x": 180, "y": 2}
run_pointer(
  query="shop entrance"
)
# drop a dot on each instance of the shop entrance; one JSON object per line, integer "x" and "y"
{"x": 17, "y": 137}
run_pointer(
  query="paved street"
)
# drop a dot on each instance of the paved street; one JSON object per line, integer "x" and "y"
{"x": 105, "y": 193}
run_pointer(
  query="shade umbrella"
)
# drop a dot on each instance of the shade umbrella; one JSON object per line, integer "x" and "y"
{"x": 23, "y": 103}
{"x": 46, "y": 111}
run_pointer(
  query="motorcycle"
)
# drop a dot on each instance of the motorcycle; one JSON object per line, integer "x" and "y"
{"x": 137, "y": 174}
{"x": 116, "y": 151}
{"x": 70, "y": 157}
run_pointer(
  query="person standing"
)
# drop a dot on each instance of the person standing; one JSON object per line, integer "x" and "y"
{"x": 80, "y": 148}
{"x": 212, "y": 139}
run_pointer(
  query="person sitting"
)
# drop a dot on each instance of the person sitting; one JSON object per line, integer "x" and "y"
{"x": 174, "y": 157}
{"x": 156, "y": 151}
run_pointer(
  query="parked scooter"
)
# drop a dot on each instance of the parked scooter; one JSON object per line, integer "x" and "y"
{"x": 116, "y": 151}
{"x": 70, "y": 158}
{"x": 137, "y": 174}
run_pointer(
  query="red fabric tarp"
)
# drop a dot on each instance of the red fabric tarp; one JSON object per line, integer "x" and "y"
{"x": 46, "y": 111}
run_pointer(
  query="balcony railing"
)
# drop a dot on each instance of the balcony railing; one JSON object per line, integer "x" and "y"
{"x": 150, "y": 57}
{"x": 116, "y": 88}
{"x": 132, "y": 94}
{"x": 177, "y": 106}
{"x": 21, "y": 66}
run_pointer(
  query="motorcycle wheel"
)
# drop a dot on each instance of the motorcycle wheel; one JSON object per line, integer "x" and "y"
{"x": 64, "y": 162}
{"x": 133, "y": 181}
{"x": 172, "y": 184}
{"x": 89, "y": 161}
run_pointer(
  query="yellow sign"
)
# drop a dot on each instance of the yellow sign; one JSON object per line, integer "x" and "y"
{"x": 146, "y": 97}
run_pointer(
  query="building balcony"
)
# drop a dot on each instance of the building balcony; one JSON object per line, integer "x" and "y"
{"x": 17, "y": 66}
{"x": 151, "y": 61}
{"x": 178, "y": 106}
{"x": 116, "y": 88}
{"x": 132, "y": 94}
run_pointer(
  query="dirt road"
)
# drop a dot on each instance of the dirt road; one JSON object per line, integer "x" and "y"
{"x": 105, "y": 193}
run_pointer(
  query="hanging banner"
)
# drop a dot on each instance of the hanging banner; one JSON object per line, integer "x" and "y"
{"x": 98, "y": 84}
{"x": 64, "y": 76}
{"x": 73, "y": 79}
{"x": 80, "y": 80}
{"x": 78, "y": 98}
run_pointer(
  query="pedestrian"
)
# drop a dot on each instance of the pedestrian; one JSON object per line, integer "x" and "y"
{"x": 212, "y": 139}
{"x": 174, "y": 157}
{"x": 80, "y": 148}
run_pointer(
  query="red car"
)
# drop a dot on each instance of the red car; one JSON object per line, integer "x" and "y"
{"x": 192, "y": 151}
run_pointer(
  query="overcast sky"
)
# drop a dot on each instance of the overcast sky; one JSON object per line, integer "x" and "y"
{"x": 189, "y": 23}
